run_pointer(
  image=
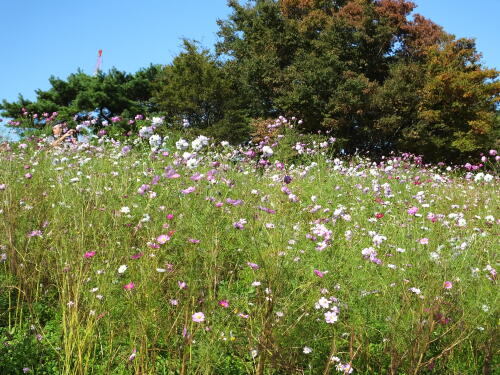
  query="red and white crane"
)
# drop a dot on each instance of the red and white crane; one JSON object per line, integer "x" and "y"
{"x": 98, "y": 63}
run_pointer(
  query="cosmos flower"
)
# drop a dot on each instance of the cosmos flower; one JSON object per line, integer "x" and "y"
{"x": 319, "y": 273}
{"x": 163, "y": 239}
{"x": 240, "y": 224}
{"x": 267, "y": 152}
{"x": 331, "y": 317}
{"x": 413, "y": 210}
{"x": 133, "y": 355}
{"x": 224, "y": 303}
{"x": 188, "y": 190}
{"x": 198, "y": 317}
{"x": 35, "y": 233}
{"x": 129, "y": 286}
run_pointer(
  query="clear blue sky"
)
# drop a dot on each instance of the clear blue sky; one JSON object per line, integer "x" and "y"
{"x": 39, "y": 38}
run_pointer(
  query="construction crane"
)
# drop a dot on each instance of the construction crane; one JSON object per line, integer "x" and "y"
{"x": 98, "y": 63}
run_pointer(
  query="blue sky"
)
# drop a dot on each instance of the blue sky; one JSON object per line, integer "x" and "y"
{"x": 39, "y": 38}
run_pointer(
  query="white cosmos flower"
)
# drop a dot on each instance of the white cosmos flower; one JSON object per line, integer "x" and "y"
{"x": 192, "y": 163}
{"x": 267, "y": 152}
{"x": 181, "y": 144}
{"x": 157, "y": 121}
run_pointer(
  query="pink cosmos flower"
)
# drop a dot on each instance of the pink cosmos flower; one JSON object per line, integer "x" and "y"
{"x": 170, "y": 216}
{"x": 331, "y": 317}
{"x": 171, "y": 173}
{"x": 447, "y": 285}
{"x": 188, "y": 190}
{"x": 89, "y": 254}
{"x": 240, "y": 224}
{"x": 198, "y": 317}
{"x": 413, "y": 210}
{"x": 423, "y": 241}
{"x": 196, "y": 177}
{"x": 35, "y": 233}
{"x": 129, "y": 286}
{"x": 163, "y": 239}
{"x": 253, "y": 266}
{"x": 133, "y": 355}
{"x": 136, "y": 256}
{"x": 319, "y": 273}
{"x": 224, "y": 303}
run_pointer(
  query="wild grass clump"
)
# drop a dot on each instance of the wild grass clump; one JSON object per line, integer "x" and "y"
{"x": 179, "y": 257}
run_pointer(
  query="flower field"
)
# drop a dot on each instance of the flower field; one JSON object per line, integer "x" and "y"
{"x": 163, "y": 255}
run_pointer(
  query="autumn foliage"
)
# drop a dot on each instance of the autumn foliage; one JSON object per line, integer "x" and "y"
{"x": 376, "y": 74}
{"x": 379, "y": 76}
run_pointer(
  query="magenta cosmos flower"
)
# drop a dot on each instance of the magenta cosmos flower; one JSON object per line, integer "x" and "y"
{"x": 224, "y": 303}
{"x": 129, "y": 286}
{"x": 89, "y": 254}
{"x": 447, "y": 285}
{"x": 319, "y": 273}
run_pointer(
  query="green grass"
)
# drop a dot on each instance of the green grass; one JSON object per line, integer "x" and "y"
{"x": 47, "y": 285}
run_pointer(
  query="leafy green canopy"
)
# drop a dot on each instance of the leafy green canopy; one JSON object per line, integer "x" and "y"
{"x": 106, "y": 94}
{"x": 363, "y": 69}
{"x": 196, "y": 87}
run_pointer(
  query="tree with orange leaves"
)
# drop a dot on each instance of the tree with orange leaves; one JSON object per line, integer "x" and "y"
{"x": 378, "y": 78}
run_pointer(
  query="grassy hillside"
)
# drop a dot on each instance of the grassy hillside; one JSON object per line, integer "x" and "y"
{"x": 116, "y": 259}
